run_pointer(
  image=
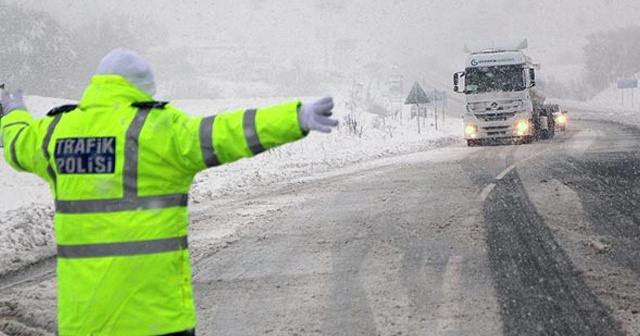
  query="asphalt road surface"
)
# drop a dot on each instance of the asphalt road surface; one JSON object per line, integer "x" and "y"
{"x": 537, "y": 239}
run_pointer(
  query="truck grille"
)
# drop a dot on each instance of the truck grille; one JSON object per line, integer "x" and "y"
{"x": 496, "y": 116}
{"x": 496, "y": 130}
{"x": 496, "y": 106}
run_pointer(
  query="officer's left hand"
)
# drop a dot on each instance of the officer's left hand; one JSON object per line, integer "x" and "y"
{"x": 12, "y": 101}
{"x": 317, "y": 116}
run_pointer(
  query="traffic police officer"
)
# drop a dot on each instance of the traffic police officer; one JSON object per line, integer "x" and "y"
{"x": 120, "y": 166}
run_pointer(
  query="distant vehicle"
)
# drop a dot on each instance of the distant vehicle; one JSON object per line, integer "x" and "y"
{"x": 502, "y": 101}
{"x": 559, "y": 115}
{"x": 547, "y": 131}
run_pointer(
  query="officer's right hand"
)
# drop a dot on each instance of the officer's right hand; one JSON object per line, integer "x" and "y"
{"x": 11, "y": 101}
{"x": 316, "y": 116}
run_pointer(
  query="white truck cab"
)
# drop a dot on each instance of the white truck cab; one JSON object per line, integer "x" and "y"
{"x": 501, "y": 103}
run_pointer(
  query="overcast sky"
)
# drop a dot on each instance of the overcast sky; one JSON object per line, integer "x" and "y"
{"x": 425, "y": 35}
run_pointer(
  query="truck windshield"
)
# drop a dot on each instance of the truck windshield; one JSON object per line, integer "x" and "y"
{"x": 497, "y": 78}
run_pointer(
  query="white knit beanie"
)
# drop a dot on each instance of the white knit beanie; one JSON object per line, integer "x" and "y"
{"x": 131, "y": 66}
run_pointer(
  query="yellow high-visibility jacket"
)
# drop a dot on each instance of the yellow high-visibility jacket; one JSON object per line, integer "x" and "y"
{"x": 120, "y": 173}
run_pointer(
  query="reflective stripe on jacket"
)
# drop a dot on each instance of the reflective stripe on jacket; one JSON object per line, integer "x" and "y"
{"x": 120, "y": 176}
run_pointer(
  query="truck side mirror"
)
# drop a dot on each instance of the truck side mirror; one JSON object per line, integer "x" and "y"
{"x": 456, "y": 81}
{"x": 532, "y": 77}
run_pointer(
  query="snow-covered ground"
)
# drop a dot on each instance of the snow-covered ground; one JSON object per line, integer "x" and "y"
{"x": 26, "y": 228}
{"x": 612, "y": 104}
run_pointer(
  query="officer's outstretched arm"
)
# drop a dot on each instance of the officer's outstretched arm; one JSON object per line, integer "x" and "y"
{"x": 21, "y": 145}
{"x": 229, "y": 136}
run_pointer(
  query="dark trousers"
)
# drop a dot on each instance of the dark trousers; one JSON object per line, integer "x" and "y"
{"x": 191, "y": 332}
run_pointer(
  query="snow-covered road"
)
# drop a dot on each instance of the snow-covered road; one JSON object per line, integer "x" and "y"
{"x": 26, "y": 234}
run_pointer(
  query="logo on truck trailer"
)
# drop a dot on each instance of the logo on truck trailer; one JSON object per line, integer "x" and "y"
{"x": 475, "y": 62}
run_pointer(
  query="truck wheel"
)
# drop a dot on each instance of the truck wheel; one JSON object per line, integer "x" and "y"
{"x": 528, "y": 139}
{"x": 471, "y": 143}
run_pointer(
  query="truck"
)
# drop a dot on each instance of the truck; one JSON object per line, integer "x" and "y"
{"x": 502, "y": 103}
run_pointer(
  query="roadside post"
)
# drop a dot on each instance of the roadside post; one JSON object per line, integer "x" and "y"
{"x": 627, "y": 84}
{"x": 394, "y": 83}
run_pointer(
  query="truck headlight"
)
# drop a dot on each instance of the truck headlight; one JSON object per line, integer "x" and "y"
{"x": 471, "y": 131}
{"x": 522, "y": 127}
{"x": 561, "y": 119}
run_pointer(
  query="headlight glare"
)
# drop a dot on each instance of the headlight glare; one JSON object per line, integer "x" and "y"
{"x": 470, "y": 131}
{"x": 522, "y": 127}
{"x": 561, "y": 119}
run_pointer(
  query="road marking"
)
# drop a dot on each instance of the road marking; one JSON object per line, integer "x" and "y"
{"x": 449, "y": 313}
{"x": 487, "y": 190}
{"x": 505, "y": 172}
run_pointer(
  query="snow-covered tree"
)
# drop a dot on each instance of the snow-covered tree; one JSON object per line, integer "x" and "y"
{"x": 36, "y": 52}
{"x": 45, "y": 57}
{"x": 612, "y": 55}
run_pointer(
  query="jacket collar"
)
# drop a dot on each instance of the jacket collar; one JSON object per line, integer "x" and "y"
{"x": 107, "y": 90}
